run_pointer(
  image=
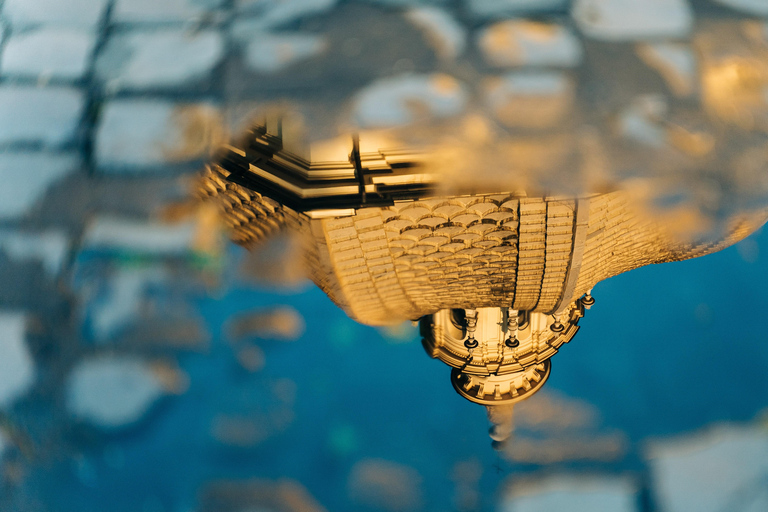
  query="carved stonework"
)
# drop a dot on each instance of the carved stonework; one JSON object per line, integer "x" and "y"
{"x": 386, "y": 247}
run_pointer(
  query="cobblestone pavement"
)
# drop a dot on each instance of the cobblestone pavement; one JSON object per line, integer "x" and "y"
{"x": 145, "y": 364}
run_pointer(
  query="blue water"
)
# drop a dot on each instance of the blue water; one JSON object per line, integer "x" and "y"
{"x": 666, "y": 350}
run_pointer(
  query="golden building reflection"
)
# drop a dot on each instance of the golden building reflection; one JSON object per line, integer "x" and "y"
{"x": 498, "y": 278}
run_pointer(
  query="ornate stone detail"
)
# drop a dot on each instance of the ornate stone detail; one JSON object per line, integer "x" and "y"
{"x": 501, "y": 389}
{"x": 386, "y": 247}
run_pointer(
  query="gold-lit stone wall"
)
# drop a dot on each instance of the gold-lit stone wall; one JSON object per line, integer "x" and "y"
{"x": 420, "y": 256}
{"x": 386, "y": 265}
{"x": 623, "y": 235}
{"x": 250, "y": 216}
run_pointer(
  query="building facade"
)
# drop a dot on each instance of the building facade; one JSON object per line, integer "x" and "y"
{"x": 497, "y": 279}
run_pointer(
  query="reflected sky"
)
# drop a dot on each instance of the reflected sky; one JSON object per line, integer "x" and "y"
{"x": 368, "y": 396}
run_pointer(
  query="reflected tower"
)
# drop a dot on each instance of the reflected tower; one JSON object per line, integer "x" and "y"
{"x": 497, "y": 279}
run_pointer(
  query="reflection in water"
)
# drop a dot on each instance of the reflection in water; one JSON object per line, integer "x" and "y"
{"x": 283, "y": 495}
{"x": 497, "y": 278}
{"x": 652, "y": 92}
{"x": 559, "y": 492}
{"x": 513, "y": 153}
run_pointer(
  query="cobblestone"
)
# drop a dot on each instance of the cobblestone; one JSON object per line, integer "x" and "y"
{"x": 153, "y": 11}
{"x": 112, "y": 391}
{"x": 49, "y": 247}
{"x": 48, "y": 53}
{"x": 44, "y": 116}
{"x": 446, "y": 35}
{"x": 628, "y": 20}
{"x": 17, "y": 371}
{"x": 530, "y": 99}
{"x": 27, "y": 176}
{"x": 118, "y": 306}
{"x": 390, "y": 101}
{"x": 527, "y": 43}
{"x": 273, "y": 13}
{"x": 168, "y": 58}
{"x": 141, "y": 135}
{"x": 268, "y": 53}
{"x": 146, "y": 238}
{"x": 572, "y": 493}
{"x": 499, "y": 8}
{"x": 759, "y": 7}
{"x": 145, "y": 114}
{"x": 676, "y": 63}
{"x": 723, "y": 469}
{"x": 385, "y": 485}
{"x": 640, "y": 121}
{"x": 78, "y": 13}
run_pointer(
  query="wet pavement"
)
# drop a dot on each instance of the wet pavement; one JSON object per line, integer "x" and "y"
{"x": 146, "y": 364}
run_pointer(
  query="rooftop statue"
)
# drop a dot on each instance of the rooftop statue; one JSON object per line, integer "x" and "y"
{"x": 497, "y": 279}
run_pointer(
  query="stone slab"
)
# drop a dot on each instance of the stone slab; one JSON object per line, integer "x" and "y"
{"x": 722, "y": 469}
{"x": 27, "y": 176}
{"x": 147, "y": 238}
{"x": 503, "y": 8}
{"x": 48, "y": 53}
{"x": 140, "y": 135}
{"x": 48, "y": 247}
{"x": 112, "y": 391}
{"x": 169, "y": 58}
{"x": 48, "y": 116}
{"x": 273, "y": 13}
{"x": 73, "y": 13}
{"x": 5, "y": 443}
{"x": 629, "y": 20}
{"x": 641, "y": 123}
{"x": 272, "y": 53}
{"x": 574, "y": 493}
{"x": 389, "y": 101}
{"x": 530, "y": 99}
{"x": 759, "y": 7}
{"x": 17, "y": 368}
{"x": 385, "y": 485}
{"x": 447, "y": 36}
{"x": 166, "y": 11}
{"x": 528, "y": 43}
{"x": 118, "y": 305}
{"x": 676, "y": 63}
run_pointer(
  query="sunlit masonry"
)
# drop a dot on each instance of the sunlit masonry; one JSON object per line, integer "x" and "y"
{"x": 498, "y": 280}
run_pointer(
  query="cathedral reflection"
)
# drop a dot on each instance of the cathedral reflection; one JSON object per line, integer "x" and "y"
{"x": 498, "y": 279}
